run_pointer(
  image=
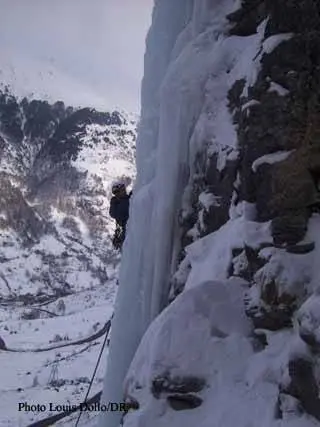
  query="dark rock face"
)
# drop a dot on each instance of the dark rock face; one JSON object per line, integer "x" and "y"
{"x": 10, "y": 116}
{"x": 279, "y": 123}
{"x": 299, "y": 16}
{"x": 285, "y": 192}
{"x": 215, "y": 185}
{"x": 301, "y": 249}
{"x": 182, "y": 402}
{"x": 19, "y": 215}
{"x": 272, "y": 318}
{"x": 179, "y": 391}
{"x": 246, "y": 262}
{"x": 290, "y": 228}
{"x": 246, "y": 19}
{"x": 64, "y": 143}
{"x": 283, "y": 122}
{"x": 268, "y": 121}
{"x": 279, "y": 114}
{"x": 180, "y": 385}
{"x": 304, "y": 387}
{"x": 41, "y": 118}
{"x": 2, "y": 344}
{"x": 219, "y": 183}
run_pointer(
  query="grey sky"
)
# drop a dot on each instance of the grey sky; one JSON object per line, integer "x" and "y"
{"x": 98, "y": 43}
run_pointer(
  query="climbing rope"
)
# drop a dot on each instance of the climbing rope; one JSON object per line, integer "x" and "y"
{"x": 95, "y": 370}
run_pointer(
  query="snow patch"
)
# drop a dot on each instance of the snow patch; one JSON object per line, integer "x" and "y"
{"x": 273, "y": 41}
{"x": 211, "y": 256}
{"x": 280, "y": 90}
{"x": 249, "y": 104}
{"x": 207, "y": 200}
{"x": 271, "y": 158}
{"x": 51, "y": 245}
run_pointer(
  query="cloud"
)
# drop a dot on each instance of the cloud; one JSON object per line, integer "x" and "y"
{"x": 98, "y": 42}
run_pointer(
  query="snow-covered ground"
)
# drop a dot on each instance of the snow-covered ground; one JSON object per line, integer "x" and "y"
{"x": 58, "y": 375}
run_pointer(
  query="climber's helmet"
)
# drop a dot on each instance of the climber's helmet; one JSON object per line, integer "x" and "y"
{"x": 118, "y": 187}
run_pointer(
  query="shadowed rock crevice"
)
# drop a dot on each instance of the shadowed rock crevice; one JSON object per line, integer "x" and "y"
{"x": 304, "y": 387}
{"x": 179, "y": 391}
{"x": 182, "y": 402}
{"x": 164, "y": 384}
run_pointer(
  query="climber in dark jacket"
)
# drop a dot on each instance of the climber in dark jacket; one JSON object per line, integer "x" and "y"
{"x": 119, "y": 210}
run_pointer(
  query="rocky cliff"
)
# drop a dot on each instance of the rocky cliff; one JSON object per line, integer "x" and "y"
{"x": 228, "y": 171}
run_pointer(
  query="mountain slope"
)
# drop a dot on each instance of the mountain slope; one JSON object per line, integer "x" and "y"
{"x": 66, "y": 161}
{"x": 58, "y": 269}
{"x": 226, "y": 330}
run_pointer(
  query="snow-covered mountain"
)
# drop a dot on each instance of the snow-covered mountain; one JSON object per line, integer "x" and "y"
{"x": 217, "y": 315}
{"x": 58, "y": 270}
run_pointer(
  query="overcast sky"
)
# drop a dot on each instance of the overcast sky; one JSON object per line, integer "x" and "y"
{"x": 98, "y": 43}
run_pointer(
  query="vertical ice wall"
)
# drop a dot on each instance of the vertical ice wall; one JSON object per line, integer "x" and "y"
{"x": 185, "y": 50}
{"x": 132, "y": 310}
{"x": 194, "y": 68}
{"x": 182, "y": 48}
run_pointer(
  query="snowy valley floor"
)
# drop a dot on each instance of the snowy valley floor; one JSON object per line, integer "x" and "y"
{"x": 59, "y": 375}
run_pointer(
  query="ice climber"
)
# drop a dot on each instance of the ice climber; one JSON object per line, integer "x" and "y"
{"x": 119, "y": 210}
